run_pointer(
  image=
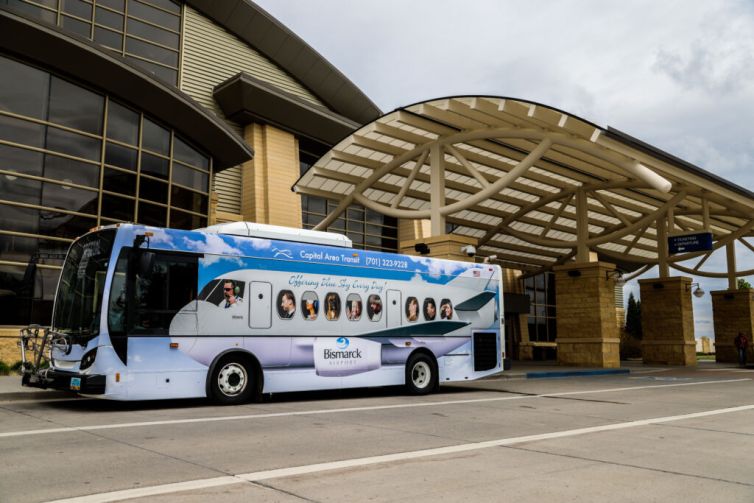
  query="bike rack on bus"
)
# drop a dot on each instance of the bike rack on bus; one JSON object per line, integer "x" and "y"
{"x": 36, "y": 343}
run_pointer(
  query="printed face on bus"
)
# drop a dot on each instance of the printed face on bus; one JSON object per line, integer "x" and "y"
{"x": 430, "y": 310}
{"x": 412, "y": 309}
{"x": 228, "y": 292}
{"x": 287, "y": 303}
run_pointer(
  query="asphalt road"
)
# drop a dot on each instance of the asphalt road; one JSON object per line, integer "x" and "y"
{"x": 653, "y": 435}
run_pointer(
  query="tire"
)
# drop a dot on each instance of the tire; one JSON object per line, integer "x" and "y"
{"x": 421, "y": 374}
{"x": 232, "y": 381}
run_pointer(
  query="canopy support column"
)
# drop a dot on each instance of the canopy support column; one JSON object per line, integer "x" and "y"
{"x": 587, "y": 332}
{"x": 582, "y": 227}
{"x": 667, "y": 321}
{"x": 437, "y": 188}
{"x": 662, "y": 247}
{"x": 730, "y": 258}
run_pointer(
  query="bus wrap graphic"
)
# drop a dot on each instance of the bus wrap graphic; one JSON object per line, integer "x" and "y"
{"x": 343, "y": 356}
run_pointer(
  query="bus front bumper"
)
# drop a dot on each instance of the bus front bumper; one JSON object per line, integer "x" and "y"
{"x": 86, "y": 384}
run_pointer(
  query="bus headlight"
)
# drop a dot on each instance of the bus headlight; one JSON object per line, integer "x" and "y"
{"x": 88, "y": 359}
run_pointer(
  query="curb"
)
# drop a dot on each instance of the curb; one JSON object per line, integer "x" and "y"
{"x": 575, "y": 373}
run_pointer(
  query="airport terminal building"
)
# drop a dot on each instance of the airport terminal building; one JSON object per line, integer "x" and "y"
{"x": 185, "y": 114}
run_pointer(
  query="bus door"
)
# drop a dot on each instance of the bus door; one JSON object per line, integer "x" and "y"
{"x": 260, "y": 304}
{"x": 393, "y": 308}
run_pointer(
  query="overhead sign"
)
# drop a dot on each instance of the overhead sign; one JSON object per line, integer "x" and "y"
{"x": 699, "y": 241}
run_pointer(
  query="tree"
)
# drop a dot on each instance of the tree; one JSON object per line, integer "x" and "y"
{"x": 633, "y": 317}
{"x": 743, "y": 284}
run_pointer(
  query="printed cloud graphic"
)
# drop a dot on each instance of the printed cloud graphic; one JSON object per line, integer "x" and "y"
{"x": 215, "y": 248}
{"x": 436, "y": 268}
{"x": 255, "y": 243}
{"x": 162, "y": 237}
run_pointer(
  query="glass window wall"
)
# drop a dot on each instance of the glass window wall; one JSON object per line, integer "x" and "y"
{"x": 72, "y": 158}
{"x": 146, "y": 32}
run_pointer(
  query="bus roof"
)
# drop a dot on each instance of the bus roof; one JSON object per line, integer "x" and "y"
{"x": 276, "y": 232}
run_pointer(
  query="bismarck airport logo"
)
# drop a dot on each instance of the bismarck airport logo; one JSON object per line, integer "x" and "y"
{"x": 343, "y": 353}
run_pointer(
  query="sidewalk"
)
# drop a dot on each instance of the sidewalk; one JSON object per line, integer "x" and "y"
{"x": 11, "y": 389}
{"x": 550, "y": 369}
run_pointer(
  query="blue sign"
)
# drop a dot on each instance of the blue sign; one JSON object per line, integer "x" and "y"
{"x": 701, "y": 241}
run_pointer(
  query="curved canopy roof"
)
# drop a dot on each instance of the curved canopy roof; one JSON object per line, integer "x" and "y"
{"x": 535, "y": 185}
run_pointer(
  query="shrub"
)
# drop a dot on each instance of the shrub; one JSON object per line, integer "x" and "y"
{"x": 4, "y": 369}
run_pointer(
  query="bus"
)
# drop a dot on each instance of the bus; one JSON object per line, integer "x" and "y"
{"x": 237, "y": 310}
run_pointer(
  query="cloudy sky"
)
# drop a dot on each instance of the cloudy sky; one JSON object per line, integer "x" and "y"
{"x": 676, "y": 74}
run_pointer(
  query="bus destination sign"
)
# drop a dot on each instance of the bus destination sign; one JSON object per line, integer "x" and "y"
{"x": 700, "y": 241}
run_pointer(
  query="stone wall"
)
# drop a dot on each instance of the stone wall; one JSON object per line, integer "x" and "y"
{"x": 667, "y": 321}
{"x": 586, "y": 324}
{"x": 732, "y": 313}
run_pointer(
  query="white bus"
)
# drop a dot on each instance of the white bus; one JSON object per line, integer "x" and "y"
{"x": 236, "y": 310}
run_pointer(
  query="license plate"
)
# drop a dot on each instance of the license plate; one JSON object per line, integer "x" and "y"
{"x": 75, "y": 383}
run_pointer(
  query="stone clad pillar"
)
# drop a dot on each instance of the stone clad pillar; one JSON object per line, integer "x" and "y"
{"x": 267, "y": 179}
{"x": 732, "y": 312}
{"x": 585, "y": 299}
{"x": 667, "y": 321}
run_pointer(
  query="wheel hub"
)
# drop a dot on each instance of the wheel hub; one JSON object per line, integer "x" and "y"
{"x": 421, "y": 374}
{"x": 232, "y": 379}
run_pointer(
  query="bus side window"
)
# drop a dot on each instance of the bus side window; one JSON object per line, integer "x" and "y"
{"x": 446, "y": 309}
{"x": 374, "y": 307}
{"x": 116, "y": 313}
{"x": 332, "y": 306}
{"x": 430, "y": 309}
{"x": 163, "y": 284}
{"x": 309, "y": 305}
{"x": 286, "y": 305}
{"x": 353, "y": 307}
{"x": 412, "y": 309}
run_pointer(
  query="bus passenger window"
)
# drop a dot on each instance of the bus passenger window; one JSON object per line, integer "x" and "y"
{"x": 430, "y": 309}
{"x": 116, "y": 314}
{"x": 309, "y": 306}
{"x": 446, "y": 309}
{"x": 374, "y": 307}
{"x": 332, "y": 306}
{"x": 412, "y": 309}
{"x": 163, "y": 285}
{"x": 353, "y": 307}
{"x": 286, "y": 304}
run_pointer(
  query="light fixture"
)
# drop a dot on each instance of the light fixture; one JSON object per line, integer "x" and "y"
{"x": 421, "y": 248}
{"x": 698, "y": 292}
{"x": 617, "y": 276}
{"x": 489, "y": 258}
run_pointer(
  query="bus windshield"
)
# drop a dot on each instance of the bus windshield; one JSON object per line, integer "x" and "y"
{"x": 78, "y": 301}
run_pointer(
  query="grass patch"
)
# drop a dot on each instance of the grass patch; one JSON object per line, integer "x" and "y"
{"x": 6, "y": 370}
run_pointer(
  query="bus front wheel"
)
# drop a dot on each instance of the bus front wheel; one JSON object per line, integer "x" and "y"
{"x": 232, "y": 381}
{"x": 421, "y": 374}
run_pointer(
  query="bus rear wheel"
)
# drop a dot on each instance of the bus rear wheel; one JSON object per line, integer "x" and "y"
{"x": 421, "y": 374}
{"x": 232, "y": 381}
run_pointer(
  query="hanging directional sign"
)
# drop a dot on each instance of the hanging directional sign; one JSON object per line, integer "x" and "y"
{"x": 699, "y": 241}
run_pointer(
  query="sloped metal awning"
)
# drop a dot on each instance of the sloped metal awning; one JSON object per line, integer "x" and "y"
{"x": 535, "y": 185}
